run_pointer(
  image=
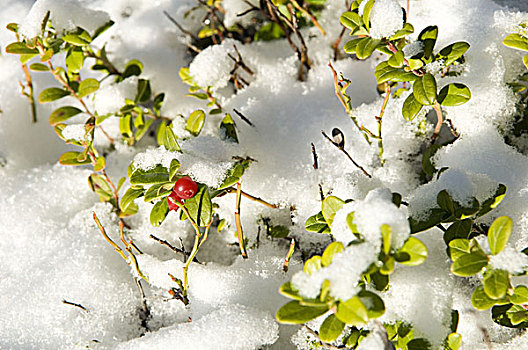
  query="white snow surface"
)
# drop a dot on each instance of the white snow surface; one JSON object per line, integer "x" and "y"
{"x": 51, "y": 252}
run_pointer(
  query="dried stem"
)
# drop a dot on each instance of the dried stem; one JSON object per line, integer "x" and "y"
{"x": 438, "y": 126}
{"x": 347, "y": 154}
{"x": 379, "y": 119}
{"x": 314, "y": 154}
{"x": 64, "y": 301}
{"x": 187, "y": 33}
{"x": 244, "y": 118}
{"x": 240, "y": 232}
{"x": 253, "y": 198}
{"x": 29, "y": 84}
{"x": 307, "y": 12}
{"x": 335, "y": 45}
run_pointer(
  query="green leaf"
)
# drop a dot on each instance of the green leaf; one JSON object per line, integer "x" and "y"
{"x": 396, "y": 60}
{"x": 331, "y": 205}
{"x": 159, "y": 213}
{"x": 87, "y": 87}
{"x": 458, "y": 229}
{"x": 20, "y": 48}
{"x": 373, "y": 302}
{"x": 288, "y": 291}
{"x": 332, "y": 249}
{"x": 469, "y": 264}
{"x": 279, "y": 231}
{"x": 406, "y": 30}
{"x": 234, "y": 174}
{"x": 74, "y": 59}
{"x": 52, "y": 94}
{"x": 517, "y": 314}
{"x": 424, "y": 89}
{"x": 350, "y": 223}
{"x": 386, "y": 234}
{"x": 520, "y": 295}
{"x": 74, "y": 158}
{"x": 453, "y": 52}
{"x": 100, "y": 186}
{"x": 158, "y": 191}
{"x": 102, "y": 29}
{"x": 419, "y": 344}
{"x": 331, "y": 329}
{"x": 411, "y": 108}
{"x": 173, "y": 169}
{"x": 366, "y": 13}
{"x": 454, "y": 341}
{"x": 159, "y": 174}
{"x": 454, "y": 94}
{"x": 200, "y": 206}
{"x": 76, "y": 39}
{"x": 132, "y": 68}
{"x": 365, "y": 48}
{"x": 514, "y": 40}
{"x": 501, "y": 315}
{"x": 445, "y": 202}
{"x": 496, "y": 283}
{"x": 352, "y": 312}
{"x": 313, "y": 264}
{"x": 317, "y": 223}
{"x": 62, "y": 114}
{"x": 295, "y": 313}
{"x": 128, "y": 198}
{"x": 435, "y": 217}
{"x": 125, "y": 125}
{"x": 195, "y": 122}
{"x": 525, "y": 61}
{"x": 427, "y": 166}
{"x": 492, "y": 202}
{"x": 100, "y": 164}
{"x": 417, "y": 252}
{"x": 39, "y": 67}
{"x": 480, "y": 300}
{"x": 458, "y": 247}
{"x": 428, "y": 36}
{"x": 415, "y": 64}
{"x": 351, "y": 45}
{"x": 169, "y": 140}
{"x": 144, "y": 91}
{"x": 384, "y": 72}
{"x": 228, "y": 129}
{"x": 351, "y": 20}
{"x": 499, "y": 233}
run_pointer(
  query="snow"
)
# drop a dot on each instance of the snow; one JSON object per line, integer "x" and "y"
{"x": 75, "y": 132}
{"x": 386, "y": 18}
{"x": 51, "y": 250}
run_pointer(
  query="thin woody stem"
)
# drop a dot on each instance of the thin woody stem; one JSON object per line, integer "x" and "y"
{"x": 253, "y": 198}
{"x": 309, "y": 14}
{"x": 240, "y": 232}
{"x": 348, "y": 155}
{"x": 439, "y": 122}
{"x": 289, "y": 255}
{"x": 380, "y": 122}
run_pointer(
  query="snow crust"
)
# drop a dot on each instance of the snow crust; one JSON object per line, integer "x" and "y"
{"x": 386, "y": 18}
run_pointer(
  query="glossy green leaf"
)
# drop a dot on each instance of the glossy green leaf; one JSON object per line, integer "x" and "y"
{"x": 159, "y": 213}
{"x": 278, "y": 231}
{"x": 517, "y": 314}
{"x": 295, "y": 313}
{"x": 469, "y": 264}
{"x": 195, "y": 122}
{"x": 351, "y": 45}
{"x": 132, "y": 68}
{"x": 454, "y": 95}
{"x": 411, "y": 108}
{"x": 87, "y": 87}
{"x": 406, "y": 30}
{"x": 352, "y": 312}
{"x": 419, "y": 344}
{"x": 366, "y": 13}
{"x": 76, "y": 39}
{"x": 453, "y": 52}
{"x": 373, "y": 302}
{"x": 169, "y": 141}
{"x": 351, "y": 20}
{"x": 331, "y": 205}
{"x": 520, "y": 295}
{"x": 173, "y": 169}
{"x": 330, "y": 251}
{"x": 158, "y": 191}
{"x": 525, "y": 61}
{"x": 415, "y": 64}
{"x": 200, "y": 206}
{"x": 228, "y": 129}
{"x": 317, "y": 223}
{"x": 492, "y": 202}
{"x": 386, "y": 234}
{"x": 144, "y": 92}
{"x": 416, "y": 250}
{"x": 39, "y": 67}
{"x": 499, "y": 233}
{"x": 516, "y": 41}
{"x": 454, "y": 341}
{"x": 480, "y": 300}
{"x": 234, "y": 174}
{"x": 435, "y": 217}
{"x": 159, "y": 174}
{"x": 102, "y": 29}
{"x": 52, "y": 94}
{"x": 73, "y": 158}
{"x": 125, "y": 126}
{"x": 331, "y": 328}
{"x": 365, "y": 48}
{"x": 424, "y": 89}
{"x": 396, "y": 60}
{"x": 313, "y": 264}
{"x": 288, "y": 291}
{"x": 458, "y": 247}
{"x": 62, "y": 114}
{"x": 384, "y": 72}
{"x": 20, "y": 48}
{"x": 74, "y": 59}
{"x": 458, "y": 229}
{"x": 428, "y": 36}
{"x": 496, "y": 283}
{"x": 350, "y": 223}
{"x": 128, "y": 198}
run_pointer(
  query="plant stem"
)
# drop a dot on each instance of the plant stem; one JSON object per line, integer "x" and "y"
{"x": 253, "y": 198}
{"x": 348, "y": 155}
{"x": 309, "y": 14}
{"x": 289, "y": 255}
{"x": 240, "y": 232}
{"x": 439, "y": 122}
{"x": 380, "y": 123}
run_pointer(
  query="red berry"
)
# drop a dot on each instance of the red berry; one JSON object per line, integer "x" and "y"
{"x": 185, "y": 187}
{"x": 172, "y": 199}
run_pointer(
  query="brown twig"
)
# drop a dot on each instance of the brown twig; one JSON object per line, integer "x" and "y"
{"x": 253, "y": 198}
{"x": 243, "y": 117}
{"x": 347, "y": 154}
{"x": 238, "y": 222}
{"x": 335, "y": 45}
{"x": 326, "y": 345}
{"x": 288, "y": 256}
{"x": 308, "y": 13}
{"x": 187, "y": 33}
{"x": 314, "y": 154}
{"x": 64, "y": 301}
